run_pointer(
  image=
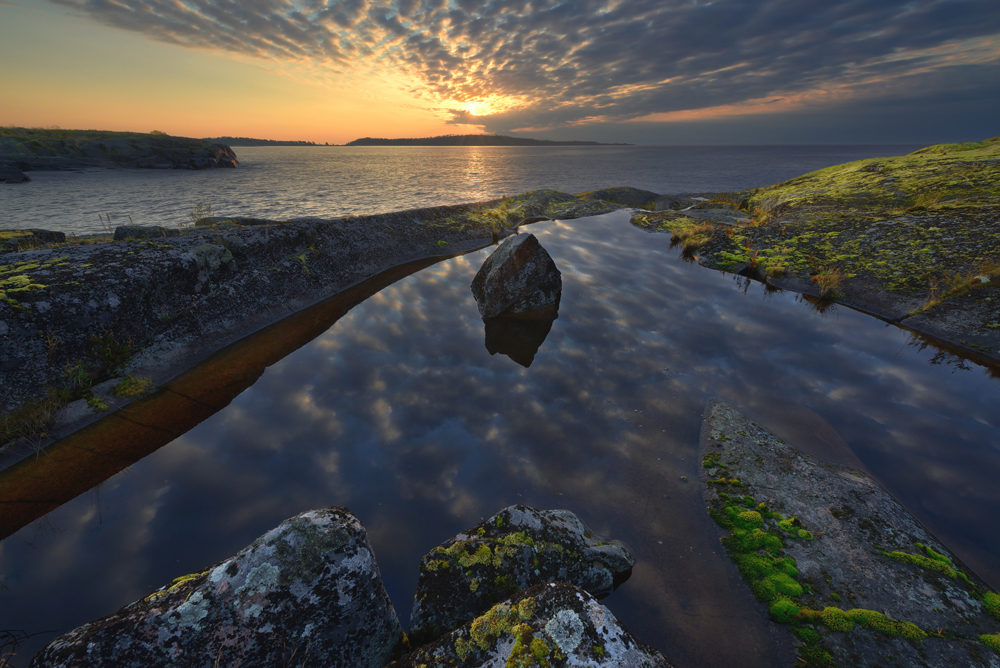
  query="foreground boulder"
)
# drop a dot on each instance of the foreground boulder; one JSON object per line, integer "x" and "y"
{"x": 518, "y": 279}
{"x": 553, "y": 624}
{"x": 309, "y": 590}
{"x": 515, "y": 549}
{"x": 842, "y": 566}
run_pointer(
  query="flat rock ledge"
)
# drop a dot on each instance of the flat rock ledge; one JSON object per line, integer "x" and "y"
{"x": 306, "y": 592}
{"x": 515, "y": 549}
{"x": 840, "y": 563}
{"x": 549, "y": 625}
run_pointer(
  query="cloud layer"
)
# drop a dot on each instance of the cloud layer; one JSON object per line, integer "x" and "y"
{"x": 552, "y": 63}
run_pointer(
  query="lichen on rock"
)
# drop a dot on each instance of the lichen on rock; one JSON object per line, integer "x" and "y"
{"x": 308, "y": 589}
{"x": 511, "y": 551}
{"x": 547, "y": 626}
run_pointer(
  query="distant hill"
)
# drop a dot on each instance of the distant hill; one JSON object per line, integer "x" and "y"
{"x": 249, "y": 141}
{"x": 471, "y": 140}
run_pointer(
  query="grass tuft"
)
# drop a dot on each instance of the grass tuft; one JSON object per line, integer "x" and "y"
{"x": 132, "y": 387}
{"x": 693, "y": 237}
{"x": 828, "y": 280}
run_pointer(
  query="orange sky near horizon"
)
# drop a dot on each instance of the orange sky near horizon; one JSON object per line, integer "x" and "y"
{"x": 82, "y": 75}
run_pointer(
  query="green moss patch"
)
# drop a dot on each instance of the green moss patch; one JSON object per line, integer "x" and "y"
{"x": 924, "y": 227}
{"x": 132, "y": 387}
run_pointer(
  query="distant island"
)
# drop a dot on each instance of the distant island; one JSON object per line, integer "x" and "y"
{"x": 471, "y": 140}
{"x": 249, "y": 141}
{"x": 53, "y": 149}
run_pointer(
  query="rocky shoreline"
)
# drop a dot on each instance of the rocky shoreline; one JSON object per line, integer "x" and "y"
{"x": 150, "y": 303}
{"x": 77, "y": 313}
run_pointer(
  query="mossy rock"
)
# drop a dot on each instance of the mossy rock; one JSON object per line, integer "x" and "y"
{"x": 838, "y": 562}
{"x": 547, "y": 626}
{"x": 513, "y": 550}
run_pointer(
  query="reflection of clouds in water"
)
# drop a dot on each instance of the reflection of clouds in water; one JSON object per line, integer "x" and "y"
{"x": 400, "y": 413}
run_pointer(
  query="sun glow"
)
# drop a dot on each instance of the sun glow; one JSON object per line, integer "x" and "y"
{"x": 487, "y": 105}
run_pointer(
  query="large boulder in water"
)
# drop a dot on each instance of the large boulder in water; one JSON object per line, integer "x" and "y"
{"x": 515, "y": 549}
{"x": 553, "y": 624}
{"x": 308, "y": 591}
{"x": 518, "y": 279}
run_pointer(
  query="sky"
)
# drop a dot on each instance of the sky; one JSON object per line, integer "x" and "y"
{"x": 637, "y": 71}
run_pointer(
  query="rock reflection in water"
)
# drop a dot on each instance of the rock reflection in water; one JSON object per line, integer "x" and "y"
{"x": 517, "y": 338}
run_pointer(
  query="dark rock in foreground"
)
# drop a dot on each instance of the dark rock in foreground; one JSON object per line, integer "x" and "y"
{"x": 307, "y": 592}
{"x": 511, "y": 551}
{"x": 839, "y": 562}
{"x": 553, "y": 624}
{"x": 519, "y": 278}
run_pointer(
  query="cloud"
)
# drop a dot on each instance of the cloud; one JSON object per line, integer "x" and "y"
{"x": 553, "y": 63}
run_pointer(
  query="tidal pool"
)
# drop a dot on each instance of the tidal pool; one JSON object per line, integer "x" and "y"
{"x": 399, "y": 412}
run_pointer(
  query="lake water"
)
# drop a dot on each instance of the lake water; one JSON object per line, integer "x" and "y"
{"x": 293, "y": 182}
{"x": 399, "y": 412}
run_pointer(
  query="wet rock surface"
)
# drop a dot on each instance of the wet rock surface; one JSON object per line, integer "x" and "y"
{"x": 841, "y": 564}
{"x": 47, "y": 150}
{"x": 511, "y": 551}
{"x": 553, "y": 624}
{"x": 306, "y": 593}
{"x": 518, "y": 279}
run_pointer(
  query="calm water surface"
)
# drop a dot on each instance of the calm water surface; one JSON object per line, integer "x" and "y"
{"x": 400, "y": 413}
{"x": 293, "y": 181}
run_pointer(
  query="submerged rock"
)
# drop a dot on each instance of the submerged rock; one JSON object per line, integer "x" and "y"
{"x": 307, "y": 591}
{"x": 839, "y": 562}
{"x": 554, "y": 624}
{"x": 519, "y": 279}
{"x": 513, "y": 550}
